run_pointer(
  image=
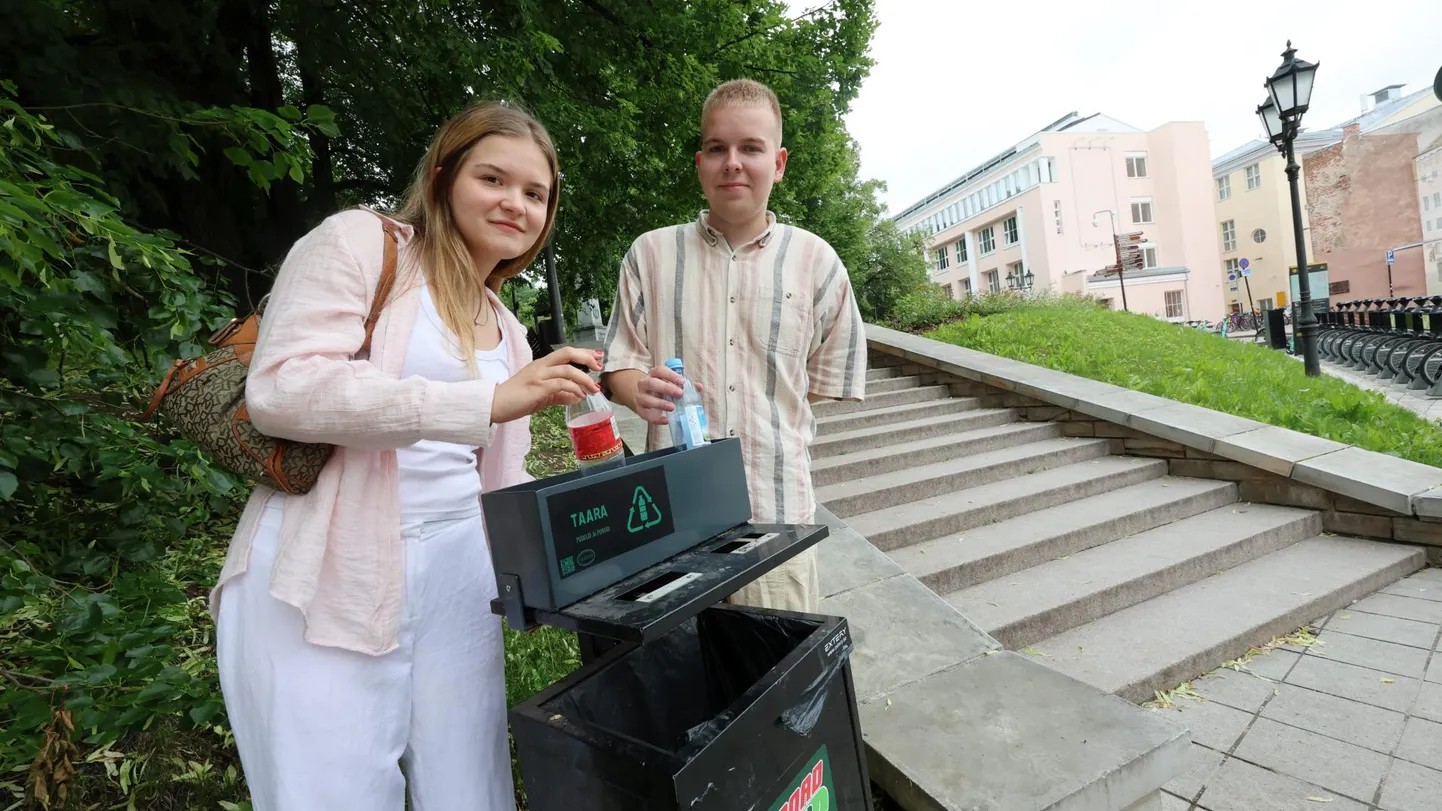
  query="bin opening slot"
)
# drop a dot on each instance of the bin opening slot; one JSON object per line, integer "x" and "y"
{"x": 659, "y": 586}
{"x": 745, "y": 543}
{"x": 675, "y": 689}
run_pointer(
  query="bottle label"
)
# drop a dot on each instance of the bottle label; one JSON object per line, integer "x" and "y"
{"x": 596, "y": 442}
{"x": 694, "y": 426}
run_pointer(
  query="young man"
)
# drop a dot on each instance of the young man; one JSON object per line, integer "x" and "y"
{"x": 762, "y": 315}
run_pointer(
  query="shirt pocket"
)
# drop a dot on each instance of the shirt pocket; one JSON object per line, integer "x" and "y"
{"x": 779, "y": 324}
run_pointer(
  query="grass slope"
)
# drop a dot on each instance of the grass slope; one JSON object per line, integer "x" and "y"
{"x": 1142, "y": 353}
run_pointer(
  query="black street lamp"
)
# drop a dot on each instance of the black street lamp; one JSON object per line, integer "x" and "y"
{"x": 1019, "y": 280}
{"x": 1289, "y": 93}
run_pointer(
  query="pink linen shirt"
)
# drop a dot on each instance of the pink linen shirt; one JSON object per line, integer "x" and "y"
{"x": 339, "y": 559}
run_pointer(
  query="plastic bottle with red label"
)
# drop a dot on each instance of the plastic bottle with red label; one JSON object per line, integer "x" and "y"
{"x": 594, "y": 434}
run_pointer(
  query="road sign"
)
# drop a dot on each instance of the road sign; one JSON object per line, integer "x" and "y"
{"x": 1391, "y": 256}
{"x": 1133, "y": 238}
{"x": 1244, "y": 264}
{"x": 1232, "y": 277}
{"x": 1246, "y": 272}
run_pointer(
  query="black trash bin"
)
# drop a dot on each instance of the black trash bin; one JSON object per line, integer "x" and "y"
{"x": 735, "y": 708}
{"x": 681, "y": 702}
{"x": 1276, "y": 328}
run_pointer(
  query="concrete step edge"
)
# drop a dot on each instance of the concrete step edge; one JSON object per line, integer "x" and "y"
{"x": 1047, "y": 617}
{"x": 1193, "y": 648}
{"x": 879, "y": 436}
{"x": 893, "y": 528}
{"x": 1143, "y": 507}
{"x": 938, "y": 478}
{"x": 836, "y": 469}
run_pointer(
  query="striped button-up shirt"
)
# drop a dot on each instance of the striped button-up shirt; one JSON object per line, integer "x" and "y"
{"x": 761, "y": 326}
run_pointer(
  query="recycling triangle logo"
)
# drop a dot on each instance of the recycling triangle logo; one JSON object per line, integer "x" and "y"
{"x": 644, "y": 512}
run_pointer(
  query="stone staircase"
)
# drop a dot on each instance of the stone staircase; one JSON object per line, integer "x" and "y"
{"x": 1101, "y": 566}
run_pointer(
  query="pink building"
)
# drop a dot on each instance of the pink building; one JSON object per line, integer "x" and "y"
{"x": 1049, "y": 204}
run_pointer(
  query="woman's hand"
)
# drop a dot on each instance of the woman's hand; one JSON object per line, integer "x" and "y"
{"x": 545, "y": 382}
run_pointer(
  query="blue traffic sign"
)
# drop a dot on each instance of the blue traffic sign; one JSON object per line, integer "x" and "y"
{"x": 1244, "y": 264}
{"x": 1391, "y": 256}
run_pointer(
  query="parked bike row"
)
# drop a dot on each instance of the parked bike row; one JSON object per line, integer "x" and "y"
{"x": 1397, "y": 339}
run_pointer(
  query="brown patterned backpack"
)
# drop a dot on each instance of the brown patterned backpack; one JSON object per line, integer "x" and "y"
{"x": 204, "y": 399}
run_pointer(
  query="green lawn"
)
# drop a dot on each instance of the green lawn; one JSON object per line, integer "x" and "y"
{"x": 1184, "y": 364}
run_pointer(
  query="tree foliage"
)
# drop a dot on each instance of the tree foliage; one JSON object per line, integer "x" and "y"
{"x": 158, "y": 157}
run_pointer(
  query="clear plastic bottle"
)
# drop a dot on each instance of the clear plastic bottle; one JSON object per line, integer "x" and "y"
{"x": 688, "y": 421}
{"x": 594, "y": 434}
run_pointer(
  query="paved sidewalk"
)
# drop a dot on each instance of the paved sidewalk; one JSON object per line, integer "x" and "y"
{"x": 1353, "y": 721}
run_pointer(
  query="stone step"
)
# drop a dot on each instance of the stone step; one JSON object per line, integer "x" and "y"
{"x": 957, "y": 562}
{"x": 878, "y": 401}
{"x": 897, "y": 433}
{"x": 1157, "y": 644}
{"x": 1059, "y": 595}
{"x": 890, "y": 415}
{"x": 881, "y": 360}
{"x": 834, "y": 469}
{"x": 892, "y": 384}
{"x": 931, "y": 518}
{"x": 882, "y": 373}
{"x": 885, "y": 490}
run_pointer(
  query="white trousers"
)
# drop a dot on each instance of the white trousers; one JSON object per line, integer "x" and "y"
{"x": 322, "y": 728}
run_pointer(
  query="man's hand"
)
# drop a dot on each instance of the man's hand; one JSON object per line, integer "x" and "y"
{"x": 647, "y": 393}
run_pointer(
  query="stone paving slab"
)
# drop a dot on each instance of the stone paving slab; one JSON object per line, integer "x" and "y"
{"x": 965, "y": 731}
{"x": 1346, "y": 723}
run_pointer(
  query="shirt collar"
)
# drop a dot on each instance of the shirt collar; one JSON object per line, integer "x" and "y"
{"x": 714, "y": 237}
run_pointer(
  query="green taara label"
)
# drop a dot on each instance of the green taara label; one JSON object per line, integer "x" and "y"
{"x": 811, "y": 790}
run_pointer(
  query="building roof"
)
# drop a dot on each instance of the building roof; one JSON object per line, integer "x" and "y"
{"x": 1374, "y": 118}
{"x": 1066, "y": 122}
{"x": 1257, "y": 149}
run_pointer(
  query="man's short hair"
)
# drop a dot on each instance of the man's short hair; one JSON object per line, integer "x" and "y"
{"x": 744, "y": 93}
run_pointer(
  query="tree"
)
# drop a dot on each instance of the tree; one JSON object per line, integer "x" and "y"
{"x": 892, "y": 267}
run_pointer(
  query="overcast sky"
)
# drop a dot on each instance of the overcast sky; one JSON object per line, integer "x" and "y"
{"x": 956, "y": 82}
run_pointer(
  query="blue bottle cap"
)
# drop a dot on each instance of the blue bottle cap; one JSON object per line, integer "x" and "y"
{"x": 676, "y": 365}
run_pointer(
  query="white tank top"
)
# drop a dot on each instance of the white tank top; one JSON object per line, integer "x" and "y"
{"x": 438, "y": 478}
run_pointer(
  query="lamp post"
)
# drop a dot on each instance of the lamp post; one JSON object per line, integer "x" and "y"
{"x": 1020, "y": 280}
{"x": 1289, "y": 90}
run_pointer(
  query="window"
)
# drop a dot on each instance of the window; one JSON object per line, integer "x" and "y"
{"x": 1009, "y": 231}
{"x": 1426, "y": 202}
{"x": 1233, "y": 266}
{"x": 1149, "y": 256}
{"x": 1056, "y": 212}
{"x": 1259, "y": 236}
{"x": 1229, "y": 236}
{"x": 1264, "y": 304}
{"x": 1437, "y": 199}
{"x": 985, "y": 241}
{"x": 1108, "y": 304}
{"x": 1142, "y": 209}
{"x": 1254, "y": 176}
{"x": 1014, "y": 274}
{"x": 1224, "y": 187}
{"x": 1174, "y": 303}
{"x": 961, "y": 250}
{"x": 993, "y": 281}
{"x": 966, "y": 287}
{"x": 1137, "y": 165}
{"x": 951, "y": 291}
{"x": 941, "y": 263}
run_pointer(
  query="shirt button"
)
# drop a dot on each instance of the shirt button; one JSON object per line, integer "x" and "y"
{"x": 733, "y": 388}
{"x": 731, "y": 432}
{"x": 733, "y": 299}
{"x": 733, "y": 341}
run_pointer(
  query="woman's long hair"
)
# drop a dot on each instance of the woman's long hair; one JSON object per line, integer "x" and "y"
{"x": 455, "y": 285}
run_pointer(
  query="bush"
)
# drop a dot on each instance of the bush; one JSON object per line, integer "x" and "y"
{"x": 1191, "y": 366}
{"x": 929, "y": 306}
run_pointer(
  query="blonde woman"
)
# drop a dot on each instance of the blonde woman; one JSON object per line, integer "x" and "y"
{"x": 358, "y": 656}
